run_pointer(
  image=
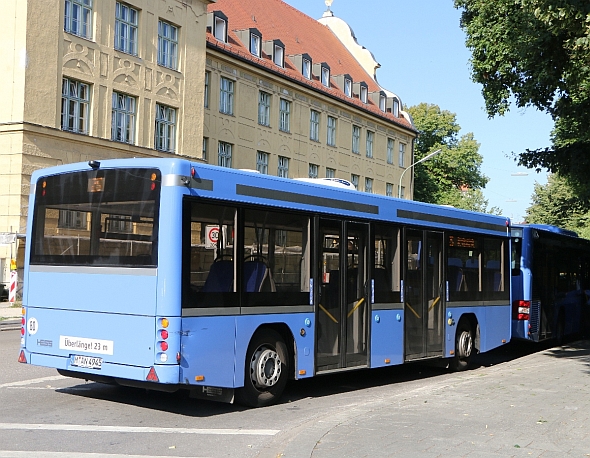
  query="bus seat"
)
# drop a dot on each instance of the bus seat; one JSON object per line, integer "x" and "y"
{"x": 257, "y": 277}
{"x": 455, "y": 277}
{"x": 472, "y": 263}
{"x": 455, "y": 262}
{"x": 493, "y": 265}
{"x": 220, "y": 278}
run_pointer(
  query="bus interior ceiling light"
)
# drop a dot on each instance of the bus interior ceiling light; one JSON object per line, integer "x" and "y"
{"x": 94, "y": 164}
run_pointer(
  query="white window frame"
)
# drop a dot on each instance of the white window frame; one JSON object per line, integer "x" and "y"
{"x": 389, "y": 189}
{"x": 382, "y": 102}
{"x": 75, "y": 106}
{"x": 124, "y": 109}
{"x": 354, "y": 179}
{"x": 331, "y": 137}
{"x": 370, "y": 142}
{"x": 226, "y": 96}
{"x": 262, "y": 162}
{"x": 325, "y": 76}
{"x": 364, "y": 95}
{"x": 396, "y": 108}
{"x": 167, "y": 45}
{"x": 165, "y": 130}
{"x": 284, "y": 115}
{"x": 126, "y": 20}
{"x": 390, "y": 148}
{"x": 220, "y": 26}
{"x": 369, "y": 185}
{"x": 402, "y": 191}
{"x": 78, "y": 18}
{"x": 347, "y": 87}
{"x": 402, "y": 154}
{"x": 313, "y": 170}
{"x": 330, "y": 173}
{"x": 264, "y": 101}
{"x": 356, "y": 139}
{"x": 306, "y": 68}
{"x": 224, "y": 154}
{"x": 279, "y": 56}
{"x": 283, "y": 167}
{"x": 255, "y": 44}
{"x": 314, "y": 125}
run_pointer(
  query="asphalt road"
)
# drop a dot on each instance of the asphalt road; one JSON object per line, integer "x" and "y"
{"x": 520, "y": 400}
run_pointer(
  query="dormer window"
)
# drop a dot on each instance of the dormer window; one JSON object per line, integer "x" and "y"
{"x": 322, "y": 72}
{"x": 379, "y": 98}
{"x": 361, "y": 91}
{"x": 382, "y": 102}
{"x": 255, "y": 42}
{"x": 306, "y": 68}
{"x": 396, "y": 108}
{"x": 275, "y": 49}
{"x": 217, "y": 22}
{"x": 347, "y": 87}
{"x": 364, "y": 94}
{"x": 326, "y": 76}
{"x": 279, "y": 56}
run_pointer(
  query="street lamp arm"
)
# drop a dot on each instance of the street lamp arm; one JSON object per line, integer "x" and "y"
{"x": 425, "y": 158}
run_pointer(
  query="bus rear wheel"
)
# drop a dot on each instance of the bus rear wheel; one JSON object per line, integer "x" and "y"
{"x": 266, "y": 371}
{"x": 464, "y": 347}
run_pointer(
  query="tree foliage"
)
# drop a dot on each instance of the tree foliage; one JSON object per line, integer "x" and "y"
{"x": 452, "y": 177}
{"x": 536, "y": 53}
{"x": 558, "y": 204}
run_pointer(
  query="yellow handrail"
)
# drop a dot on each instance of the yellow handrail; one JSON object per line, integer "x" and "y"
{"x": 356, "y": 306}
{"x": 328, "y": 313}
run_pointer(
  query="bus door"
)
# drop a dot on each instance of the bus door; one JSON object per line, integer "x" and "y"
{"x": 423, "y": 295}
{"x": 343, "y": 307}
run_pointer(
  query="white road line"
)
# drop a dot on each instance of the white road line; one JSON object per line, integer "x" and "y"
{"x": 32, "y": 381}
{"x": 137, "y": 429}
{"x": 38, "y": 454}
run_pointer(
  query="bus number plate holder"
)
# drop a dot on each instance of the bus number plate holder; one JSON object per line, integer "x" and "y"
{"x": 89, "y": 362}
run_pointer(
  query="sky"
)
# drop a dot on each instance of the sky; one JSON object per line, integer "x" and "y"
{"x": 423, "y": 58}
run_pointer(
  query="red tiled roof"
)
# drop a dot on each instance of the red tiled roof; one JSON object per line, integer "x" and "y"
{"x": 300, "y": 34}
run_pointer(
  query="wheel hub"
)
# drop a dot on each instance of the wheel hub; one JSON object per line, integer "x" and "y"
{"x": 465, "y": 345}
{"x": 265, "y": 368}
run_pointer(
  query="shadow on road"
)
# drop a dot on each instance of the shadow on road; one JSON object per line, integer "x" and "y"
{"x": 321, "y": 386}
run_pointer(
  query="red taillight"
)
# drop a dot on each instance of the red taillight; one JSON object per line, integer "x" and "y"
{"x": 164, "y": 346}
{"x": 164, "y": 334}
{"x": 521, "y": 310}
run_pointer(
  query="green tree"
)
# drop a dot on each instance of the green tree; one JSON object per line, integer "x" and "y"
{"x": 558, "y": 204}
{"x": 453, "y": 177}
{"x": 536, "y": 53}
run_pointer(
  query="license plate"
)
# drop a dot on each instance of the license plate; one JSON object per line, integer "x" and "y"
{"x": 89, "y": 362}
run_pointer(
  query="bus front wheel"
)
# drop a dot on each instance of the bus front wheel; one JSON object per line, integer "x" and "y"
{"x": 266, "y": 371}
{"x": 464, "y": 346}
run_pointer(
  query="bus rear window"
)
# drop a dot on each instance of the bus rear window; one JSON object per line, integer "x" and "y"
{"x": 98, "y": 217}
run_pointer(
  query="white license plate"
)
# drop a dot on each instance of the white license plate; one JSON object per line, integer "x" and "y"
{"x": 90, "y": 362}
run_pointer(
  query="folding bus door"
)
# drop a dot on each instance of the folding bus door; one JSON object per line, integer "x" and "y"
{"x": 343, "y": 305}
{"x": 423, "y": 295}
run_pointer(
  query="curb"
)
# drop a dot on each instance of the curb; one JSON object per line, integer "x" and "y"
{"x": 10, "y": 325}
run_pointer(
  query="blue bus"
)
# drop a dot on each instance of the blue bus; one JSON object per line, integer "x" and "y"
{"x": 550, "y": 282}
{"x": 167, "y": 274}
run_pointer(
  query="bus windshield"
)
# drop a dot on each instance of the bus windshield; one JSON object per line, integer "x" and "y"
{"x": 97, "y": 217}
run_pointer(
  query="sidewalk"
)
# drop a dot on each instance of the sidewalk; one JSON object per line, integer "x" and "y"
{"x": 9, "y": 316}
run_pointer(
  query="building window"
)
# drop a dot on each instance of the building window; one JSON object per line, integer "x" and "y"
{"x": 220, "y": 27}
{"x": 326, "y": 76}
{"x": 370, "y": 138}
{"x": 123, "y": 118}
{"x": 314, "y": 125}
{"x": 330, "y": 173}
{"x": 78, "y": 18}
{"x": 354, "y": 179}
{"x": 126, "y": 29}
{"x": 205, "y": 148}
{"x": 283, "y": 168}
{"x": 75, "y": 102}
{"x": 369, "y": 185}
{"x": 70, "y": 219}
{"x": 347, "y": 87}
{"x": 264, "y": 108}
{"x": 390, "y": 150}
{"x": 356, "y": 139}
{"x": 207, "y": 90}
{"x": 165, "y": 128}
{"x": 255, "y": 44}
{"x": 402, "y": 191}
{"x": 313, "y": 170}
{"x": 395, "y": 108}
{"x": 382, "y": 101}
{"x": 402, "y": 154}
{"x": 306, "y": 69}
{"x": 262, "y": 162}
{"x": 167, "y": 45}
{"x": 331, "y": 131}
{"x": 364, "y": 94}
{"x": 279, "y": 56}
{"x": 389, "y": 189}
{"x": 224, "y": 154}
{"x": 226, "y": 96}
{"x": 285, "y": 115}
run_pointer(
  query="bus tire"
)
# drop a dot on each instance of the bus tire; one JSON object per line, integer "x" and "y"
{"x": 464, "y": 346}
{"x": 266, "y": 370}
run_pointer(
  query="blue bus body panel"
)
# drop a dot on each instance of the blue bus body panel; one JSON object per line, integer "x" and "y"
{"x": 387, "y": 337}
{"x": 494, "y": 325}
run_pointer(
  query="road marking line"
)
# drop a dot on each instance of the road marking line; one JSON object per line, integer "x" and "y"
{"x": 32, "y": 381}
{"x": 137, "y": 429}
{"x": 38, "y": 454}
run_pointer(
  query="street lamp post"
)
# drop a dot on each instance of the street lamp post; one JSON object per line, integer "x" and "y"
{"x": 425, "y": 158}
